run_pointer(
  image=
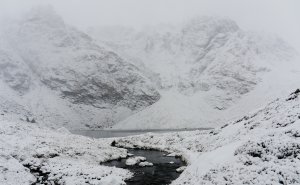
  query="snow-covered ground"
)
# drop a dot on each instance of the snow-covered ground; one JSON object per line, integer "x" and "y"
{"x": 29, "y": 153}
{"x": 260, "y": 148}
{"x": 204, "y": 73}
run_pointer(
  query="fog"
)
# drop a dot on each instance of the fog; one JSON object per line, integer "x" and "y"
{"x": 281, "y": 17}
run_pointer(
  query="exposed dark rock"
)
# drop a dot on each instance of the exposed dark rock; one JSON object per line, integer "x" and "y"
{"x": 293, "y": 95}
{"x": 113, "y": 143}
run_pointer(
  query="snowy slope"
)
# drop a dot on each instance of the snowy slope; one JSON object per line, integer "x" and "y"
{"x": 60, "y": 75}
{"x": 31, "y": 154}
{"x": 211, "y": 64}
{"x": 262, "y": 147}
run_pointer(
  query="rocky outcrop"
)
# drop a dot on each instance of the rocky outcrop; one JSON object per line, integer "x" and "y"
{"x": 210, "y": 55}
{"x": 57, "y": 56}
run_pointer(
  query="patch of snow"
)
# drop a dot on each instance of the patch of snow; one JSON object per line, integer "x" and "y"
{"x": 145, "y": 164}
{"x": 134, "y": 160}
{"x": 130, "y": 154}
{"x": 180, "y": 169}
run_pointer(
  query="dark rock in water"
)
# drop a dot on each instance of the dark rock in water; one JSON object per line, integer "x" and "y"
{"x": 113, "y": 143}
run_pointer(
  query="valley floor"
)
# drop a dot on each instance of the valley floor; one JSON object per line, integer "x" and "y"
{"x": 31, "y": 154}
{"x": 260, "y": 148}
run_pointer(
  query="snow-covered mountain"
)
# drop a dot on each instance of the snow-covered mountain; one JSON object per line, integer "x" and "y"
{"x": 206, "y": 68}
{"x": 169, "y": 76}
{"x": 58, "y": 74}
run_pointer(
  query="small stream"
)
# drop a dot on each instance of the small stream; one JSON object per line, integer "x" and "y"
{"x": 162, "y": 172}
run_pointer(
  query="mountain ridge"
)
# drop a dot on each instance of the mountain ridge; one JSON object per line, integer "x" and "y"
{"x": 187, "y": 75}
{"x": 67, "y": 63}
{"x": 209, "y": 62}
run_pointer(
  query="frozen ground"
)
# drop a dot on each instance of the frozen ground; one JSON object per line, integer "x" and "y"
{"x": 29, "y": 154}
{"x": 262, "y": 147}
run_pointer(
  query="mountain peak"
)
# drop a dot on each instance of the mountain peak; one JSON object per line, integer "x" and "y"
{"x": 211, "y": 23}
{"x": 44, "y": 15}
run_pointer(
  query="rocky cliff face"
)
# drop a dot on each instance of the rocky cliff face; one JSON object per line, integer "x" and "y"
{"x": 204, "y": 54}
{"x": 210, "y": 61}
{"x": 53, "y": 55}
{"x": 203, "y": 68}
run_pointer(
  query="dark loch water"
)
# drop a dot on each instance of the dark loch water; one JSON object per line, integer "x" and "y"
{"x": 124, "y": 133}
{"x": 162, "y": 172}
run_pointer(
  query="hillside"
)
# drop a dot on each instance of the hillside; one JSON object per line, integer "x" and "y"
{"x": 206, "y": 69}
{"x": 262, "y": 147}
{"x": 60, "y": 76}
{"x": 195, "y": 74}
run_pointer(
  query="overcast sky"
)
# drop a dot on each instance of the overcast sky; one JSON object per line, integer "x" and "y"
{"x": 281, "y": 17}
